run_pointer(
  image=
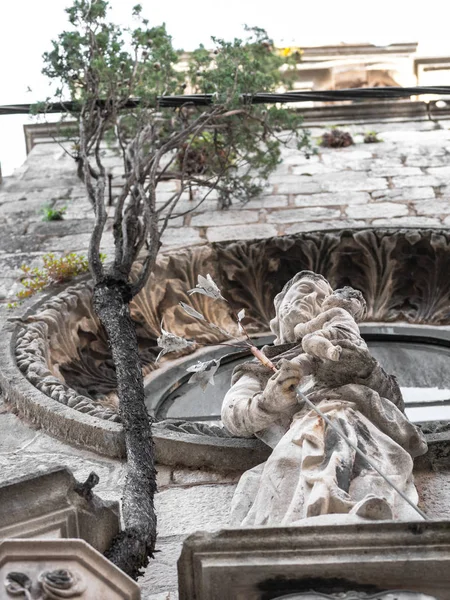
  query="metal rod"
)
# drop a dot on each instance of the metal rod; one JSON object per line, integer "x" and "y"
{"x": 359, "y": 452}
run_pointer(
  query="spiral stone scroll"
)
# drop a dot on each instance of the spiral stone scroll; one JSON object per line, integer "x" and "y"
{"x": 50, "y": 585}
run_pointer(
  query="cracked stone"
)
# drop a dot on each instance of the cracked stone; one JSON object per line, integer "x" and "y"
{"x": 404, "y": 194}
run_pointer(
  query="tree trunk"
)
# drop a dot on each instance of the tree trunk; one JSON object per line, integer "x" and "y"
{"x": 132, "y": 547}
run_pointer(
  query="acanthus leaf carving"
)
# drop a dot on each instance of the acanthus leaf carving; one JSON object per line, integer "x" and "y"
{"x": 63, "y": 351}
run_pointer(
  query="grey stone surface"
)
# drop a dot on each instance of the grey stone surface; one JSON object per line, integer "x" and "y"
{"x": 407, "y": 556}
{"x": 269, "y": 201}
{"x": 388, "y": 209}
{"x": 181, "y": 511}
{"x": 190, "y": 477}
{"x": 295, "y": 215}
{"x": 226, "y": 217}
{"x": 403, "y": 194}
{"x": 358, "y": 179}
{"x": 409, "y": 221}
{"x": 160, "y": 581}
{"x": 26, "y": 451}
{"x": 410, "y": 165}
{"x": 302, "y": 185}
{"x": 415, "y": 181}
{"x": 394, "y": 171}
{"x": 181, "y": 237}
{"x": 240, "y": 232}
{"x": 336, "y": 199}
{"x": 350, "y": 181}
{"x": 432, "y": 207}
{"x": 342, "y": 223}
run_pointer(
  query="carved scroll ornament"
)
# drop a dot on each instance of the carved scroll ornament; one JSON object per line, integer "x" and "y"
{"x": 50, "y": 585}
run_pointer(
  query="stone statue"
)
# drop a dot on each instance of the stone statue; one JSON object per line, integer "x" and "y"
{"x": 312, "y": 473}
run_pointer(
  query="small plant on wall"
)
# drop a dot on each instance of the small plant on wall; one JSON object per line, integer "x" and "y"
{"x": 52, "y": 214}
{"x": 336, "y": 138}
{"x": 371, "y": 137}
{"x": 54, "y": 270}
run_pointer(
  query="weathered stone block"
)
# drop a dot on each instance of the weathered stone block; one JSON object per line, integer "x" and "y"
{"x": 160, "y": 580}
{"x": 394, "y": 171}
{"x": 442, "y": 173}
{"x": 433, "y": 207}
{"x": 180, "y": 237}
{"x": 240, "y": 232}
{"x": 371, "y": 211}
{"x": 76, "y": 243}
{"x": 324, "y": 225}
{"x": 350, "y": 180}
{"x": 191, "y": 477}
{"x": 409, "y": 221}
{"x": 269, "y": 201}
{"x": 299, "y": 214}
{"x": 415, "y": 181}
{"x": 48, "y": 564}
{"x": 336, "y": 199}
{"x": 300, "y": 185}
{"x": 224, "y": 217}
{"x": 404, "y": 194}
{"x": 349, "y": 154}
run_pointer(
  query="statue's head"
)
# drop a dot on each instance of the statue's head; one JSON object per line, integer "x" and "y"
{"x": 299, "y": 301}
{"x": 350, "y": 300}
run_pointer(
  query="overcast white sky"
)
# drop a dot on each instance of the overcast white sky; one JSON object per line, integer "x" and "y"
{"x": 27, "y": 26}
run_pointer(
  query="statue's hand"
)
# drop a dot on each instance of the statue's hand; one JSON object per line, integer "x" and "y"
{"x": 280, "y": 389}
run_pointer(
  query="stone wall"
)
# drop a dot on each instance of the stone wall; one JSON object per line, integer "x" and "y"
{"x": 402, "y": 181}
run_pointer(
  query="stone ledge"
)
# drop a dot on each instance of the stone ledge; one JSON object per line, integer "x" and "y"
{"x": 264, "y": 563}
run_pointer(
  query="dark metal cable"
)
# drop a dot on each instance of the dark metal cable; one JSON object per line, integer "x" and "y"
{"x": 380, "y": 93}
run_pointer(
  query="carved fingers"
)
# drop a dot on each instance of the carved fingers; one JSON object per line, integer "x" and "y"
{"x": 280, "y": 389}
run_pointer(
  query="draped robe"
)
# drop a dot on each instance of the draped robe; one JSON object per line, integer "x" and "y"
{"x": 312, "y": 472}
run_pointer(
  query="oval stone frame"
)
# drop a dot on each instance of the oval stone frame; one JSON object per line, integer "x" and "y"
{"x": 49, "y": 346}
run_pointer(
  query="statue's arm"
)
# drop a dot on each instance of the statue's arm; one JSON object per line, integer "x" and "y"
{"x": 242, "y": 413}
{"x": 248, "y": 408}
{"x": 318, "y": 322}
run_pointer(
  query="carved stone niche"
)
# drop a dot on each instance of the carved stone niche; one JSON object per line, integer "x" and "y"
{"x": 56, "y": 367}
{"x": 335, "y": 562}
{"x": 54, "y": 569}
{"x": 55, "y": 505}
